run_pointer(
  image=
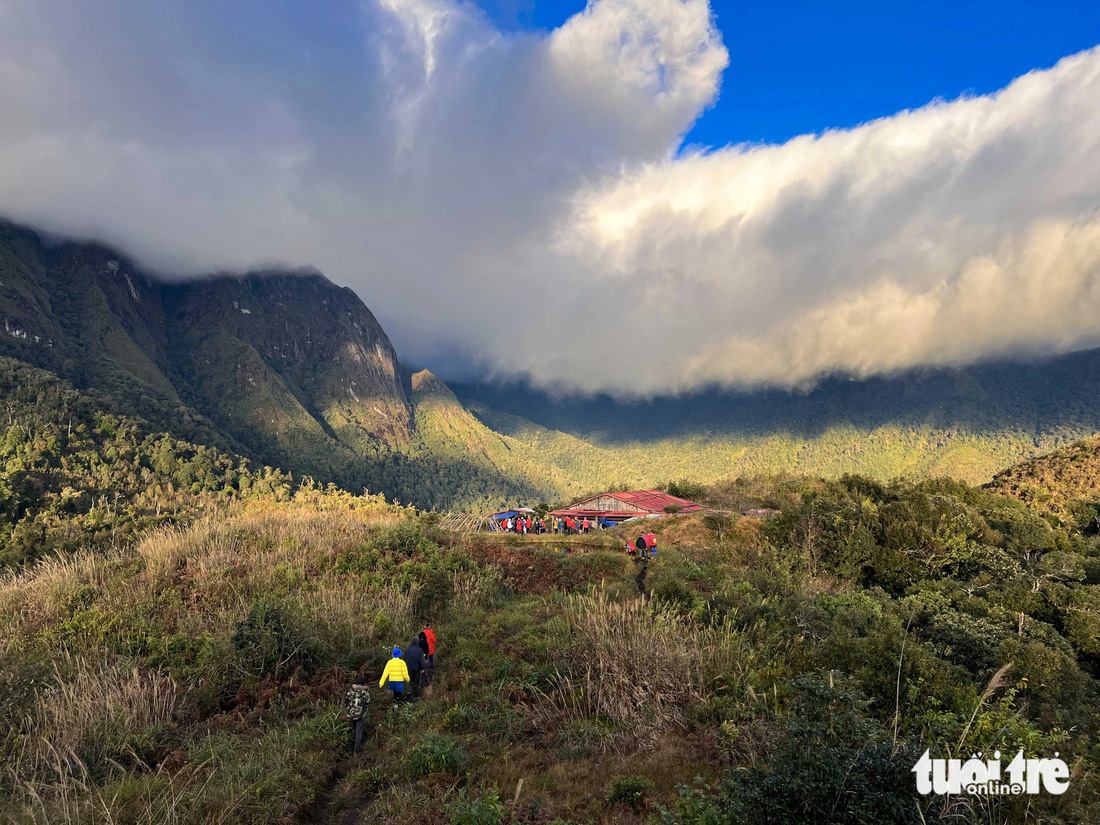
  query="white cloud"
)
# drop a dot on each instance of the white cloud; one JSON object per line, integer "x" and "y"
{"x": 517, "y": 200}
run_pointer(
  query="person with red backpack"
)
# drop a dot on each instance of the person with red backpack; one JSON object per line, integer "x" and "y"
{"x": 651, "y": 544}
{"x": 427, "y": 644}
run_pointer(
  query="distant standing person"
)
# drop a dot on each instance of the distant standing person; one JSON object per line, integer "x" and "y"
{"x": 396, "y": 674}
{"x": 356, "y": 701}
{"x": 641, "y": 545}
{"x": 651, "y": 544}
{"x": 414, "y": 659}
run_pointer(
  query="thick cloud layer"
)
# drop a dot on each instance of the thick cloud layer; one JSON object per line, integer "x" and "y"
{"x": 519, "y": 204}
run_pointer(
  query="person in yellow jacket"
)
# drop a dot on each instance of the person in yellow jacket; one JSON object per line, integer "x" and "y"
{"x": 397, "y": 674}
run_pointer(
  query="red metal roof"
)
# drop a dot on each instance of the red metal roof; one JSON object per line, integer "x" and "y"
{"x": 651, "y": 501}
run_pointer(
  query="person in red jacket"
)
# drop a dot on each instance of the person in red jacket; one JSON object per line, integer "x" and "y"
{"x": 651, "y": 544}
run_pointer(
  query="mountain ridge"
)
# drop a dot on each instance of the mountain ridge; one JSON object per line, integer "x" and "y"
{"x": 290, "y": 370}
{"x": 285, "y": 368}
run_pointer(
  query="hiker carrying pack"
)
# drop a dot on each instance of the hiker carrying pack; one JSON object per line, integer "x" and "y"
{"x": 415, "y": 660}
{"x": 427, "y": 644}
{"x": 356, "y": 701}
{"x": 397, "y": 674}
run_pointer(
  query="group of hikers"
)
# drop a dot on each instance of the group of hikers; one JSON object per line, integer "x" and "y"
{"x": 565, "y": 525}
{"x": 414, "y": 666}
{"x": 572, "y": 526}
{"x": 523, "y": 525}
{"x": 643, "y": 547}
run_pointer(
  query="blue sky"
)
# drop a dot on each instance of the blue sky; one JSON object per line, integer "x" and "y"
{"x": 800, "y": 66}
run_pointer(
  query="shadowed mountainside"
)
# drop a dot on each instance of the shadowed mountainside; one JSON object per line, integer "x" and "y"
{"x": 290, "y": 370}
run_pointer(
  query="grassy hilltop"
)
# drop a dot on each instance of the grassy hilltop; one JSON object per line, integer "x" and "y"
{"x": 792, "y": 670}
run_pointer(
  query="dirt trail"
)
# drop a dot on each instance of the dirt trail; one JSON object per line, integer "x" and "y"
{"x": 330, "y": 805}
{"x": 643, "y": 570}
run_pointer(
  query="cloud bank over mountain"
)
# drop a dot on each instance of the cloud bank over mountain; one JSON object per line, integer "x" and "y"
{"x": 521, "y": 204}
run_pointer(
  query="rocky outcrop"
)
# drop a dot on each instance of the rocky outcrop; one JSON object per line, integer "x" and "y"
{"x": 281, "y": 360}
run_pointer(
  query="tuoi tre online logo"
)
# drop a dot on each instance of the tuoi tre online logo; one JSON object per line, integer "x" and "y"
{"x": 974, "y": 776}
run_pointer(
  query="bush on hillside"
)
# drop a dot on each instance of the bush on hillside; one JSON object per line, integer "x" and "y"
{"x": 276, "y": 639}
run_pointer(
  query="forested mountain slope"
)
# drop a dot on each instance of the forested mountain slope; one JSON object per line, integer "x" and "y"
{"x": 289, "y": 370}
{"x": 1065, "y": 483}
{"x": 968, "y": 423}
{"x": 74, "y": 474}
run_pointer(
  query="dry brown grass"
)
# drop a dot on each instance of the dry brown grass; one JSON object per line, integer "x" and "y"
{"x": 176, "y": 580}
{"x": 36, "y": 598}
{"x": 683, "y": 532}
{"x": 134, "y": 699}
{"x": 345, "y": 613}
{"x": 639, "y": 664}
{"x": 474, "y": 590}
{"x": 216, "y": 568}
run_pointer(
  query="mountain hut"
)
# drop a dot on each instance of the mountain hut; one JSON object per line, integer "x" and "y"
{"x": 618, "y": 507}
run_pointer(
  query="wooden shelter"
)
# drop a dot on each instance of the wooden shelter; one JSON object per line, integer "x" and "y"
{"x": 633, "y": 504}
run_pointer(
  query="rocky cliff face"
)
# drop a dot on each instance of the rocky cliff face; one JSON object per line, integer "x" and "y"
{"x": 284, "y": 362}
{"x": 313, "y": 342}
{"x": 285, "y": 368}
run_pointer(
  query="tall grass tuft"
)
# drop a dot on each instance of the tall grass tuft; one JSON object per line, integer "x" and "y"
{"x": 638, "y": 663}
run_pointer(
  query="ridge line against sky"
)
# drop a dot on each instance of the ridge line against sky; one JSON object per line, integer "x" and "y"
{"x": 521, "y": 204}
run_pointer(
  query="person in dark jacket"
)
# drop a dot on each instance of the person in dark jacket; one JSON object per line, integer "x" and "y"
{"x": 427, "y": 645}
{"x": 414, "y": 659}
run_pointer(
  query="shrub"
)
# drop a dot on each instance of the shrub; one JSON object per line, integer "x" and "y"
{"x": 404, "y": 538}
{"x": 629, "y": 790}
{"x": 834, "y": 765}
{"x": 459, "y": 717}
{"x": 434, "y": 596}
{"x": 435, "y": 753}
{"x": 274, "y": 639}
{"x": 966, "y": 640}
{"x": 673, "y": 591}
{"x": 476, "y": 810}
